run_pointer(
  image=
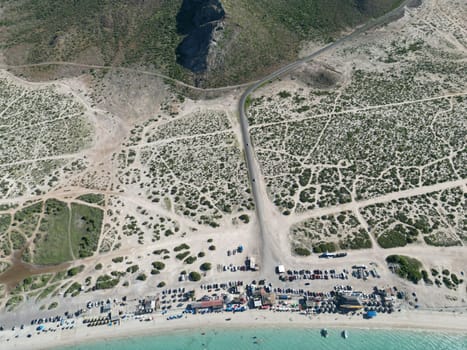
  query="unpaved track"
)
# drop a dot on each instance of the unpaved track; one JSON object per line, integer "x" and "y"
{"x": 129, "y": 70}
{"x": 271, "y": 249}
{"x": 380, "y": 199}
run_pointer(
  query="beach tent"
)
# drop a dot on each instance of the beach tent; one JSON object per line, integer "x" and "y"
{"x": 371, "y": 314}
{"x": 40, "y": 327}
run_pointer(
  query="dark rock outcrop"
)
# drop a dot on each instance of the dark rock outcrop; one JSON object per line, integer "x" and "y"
{"x": 197, "y": 19}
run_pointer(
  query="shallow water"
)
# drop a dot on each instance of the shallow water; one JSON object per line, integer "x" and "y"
{"x": 20, "y": 270}
{"x": 293, "y": 339}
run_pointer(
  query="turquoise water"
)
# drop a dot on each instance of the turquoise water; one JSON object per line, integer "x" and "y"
{"x": 289, "y": 339}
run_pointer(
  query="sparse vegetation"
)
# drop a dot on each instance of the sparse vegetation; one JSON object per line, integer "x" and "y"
{"x": 302, "y": 251}
{"x": 205, "y": 266}
{"x": 158, "y": 265}
{"x": 194, "y": 276}
{"x": 180, "y": 247}
{"x": 132, "y": 269}
{"x": 406, "y": 267}
{"x": 190, "y": 260}
{"x": 106, "y": 282}
{"x": 182, "y": 256}
{"x": 141, "y": 277}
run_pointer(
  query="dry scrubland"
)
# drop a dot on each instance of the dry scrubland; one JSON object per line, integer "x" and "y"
{"x": 120, "y": 183}
{"x": 42, "y": 133}
{"x": 369, "y": 142}
{"x": 133, "y": 184}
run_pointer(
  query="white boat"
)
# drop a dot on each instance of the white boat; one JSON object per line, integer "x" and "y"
{"x": 344, "y": 334}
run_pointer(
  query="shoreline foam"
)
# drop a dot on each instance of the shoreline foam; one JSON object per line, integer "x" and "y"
{"x": 441, "y": 322}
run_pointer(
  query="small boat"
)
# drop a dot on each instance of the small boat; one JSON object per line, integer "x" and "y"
{"x": 324, "y": 333}
{"x": 344, "y": 334}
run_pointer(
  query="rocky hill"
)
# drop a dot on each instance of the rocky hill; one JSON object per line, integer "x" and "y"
{"x": 198, "y": 20}
{"x": 206, "y": 42}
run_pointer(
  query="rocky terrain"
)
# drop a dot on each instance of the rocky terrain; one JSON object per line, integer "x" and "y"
{"x": 198, "y": 20}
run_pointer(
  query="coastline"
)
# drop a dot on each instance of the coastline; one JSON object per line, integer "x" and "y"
{"x": 413, "y": 321}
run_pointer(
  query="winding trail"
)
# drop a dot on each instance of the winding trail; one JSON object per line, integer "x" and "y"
{"x": 129, "y": 70}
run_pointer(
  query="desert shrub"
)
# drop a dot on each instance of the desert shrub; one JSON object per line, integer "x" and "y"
{"x": 75, "y": 270}
{"x": 190, "y": 260}
{"x": 323, "y": 247}
{"x": 302, "y": 251}
{"x": 182, "y": 256}
{"x": 159, "y": 265}
{"x": 194, "y": 276}
{"x": 132, "y": 269}
{"x": 244, "y": 218}
{"x": 106, "y": 282}
{"x": 181, "y": 247}
{"x": 408, "y": 268}
{"x": 141, "y": 277}
{"x": 205, "y": 266}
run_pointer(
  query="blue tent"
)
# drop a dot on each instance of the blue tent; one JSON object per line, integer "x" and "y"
{"x": 371, "y": 314}
{"x": 40, "y": 327}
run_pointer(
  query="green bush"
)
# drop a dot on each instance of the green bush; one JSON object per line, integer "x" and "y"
{"x": 455, "y": 279}
{"x": 323, "y": 247}
{"x": 98, "y": 266}
{"x": 106, "y": 282}
{"x": 159, "y": 265}
{"x": 132, "y": 269}
{"x": 284, "y": 94}
{"x": 190, "y": 260}
{"x": 392, "y": 239}
{"x": 181, "y": 247}
{"x": 425, "y": 277}
{"x": 141, "y": 277}
{"x": 75, "y": 270}
{"x": 160, "y": 251}
{"x": 302, "y": 251}
{"x": 182, "y": 256}
{"x": 447, "y": 282}
{"x": 74, "y": 289}
{"x": 52, "y": 306}
{"x": 212, "y": 247}
{"x": 194, "y": 276}
{"x": 408, "y": 268}
{"x": 161, "y": 284}
{"x": 244, "y": 218}
{"x": 118, "y": 259}
{"x": 205, "y": 266}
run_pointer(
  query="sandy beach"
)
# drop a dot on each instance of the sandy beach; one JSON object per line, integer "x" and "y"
{"x": 405, "y": 320}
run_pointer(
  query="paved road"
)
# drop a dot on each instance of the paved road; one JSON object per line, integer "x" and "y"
{"x": 270, "y": 254}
